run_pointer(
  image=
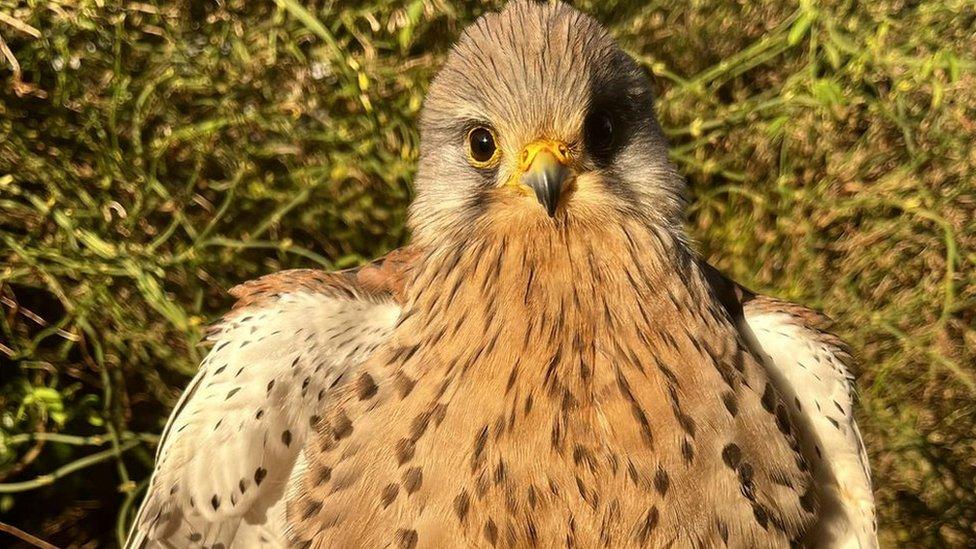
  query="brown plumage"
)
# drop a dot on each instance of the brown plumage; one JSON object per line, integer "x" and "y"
{"x": 548, "y": 363}
{"x": 609, "y": 412}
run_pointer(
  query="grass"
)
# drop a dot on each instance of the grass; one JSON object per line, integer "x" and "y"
{"x": 154, "y": 154}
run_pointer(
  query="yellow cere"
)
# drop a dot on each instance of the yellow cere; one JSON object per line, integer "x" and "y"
{"x": 558, "y": 149}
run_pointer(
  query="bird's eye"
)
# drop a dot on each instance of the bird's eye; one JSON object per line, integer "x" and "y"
{"x": 600, "y": 133}
{"x": 481, "y": 146}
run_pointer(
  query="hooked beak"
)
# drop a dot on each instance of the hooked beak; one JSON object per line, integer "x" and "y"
{"x": 545, "y": 170}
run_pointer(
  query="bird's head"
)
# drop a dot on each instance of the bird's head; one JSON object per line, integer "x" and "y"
{"x": 538, "y": 120}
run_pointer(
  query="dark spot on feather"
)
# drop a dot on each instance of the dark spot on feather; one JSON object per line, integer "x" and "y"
{"x": 500, "y": 473}
{"x": 366, "y": 386}
{"x": 648, "y": 524}
{"x": 761, "y": 516}
{"x": 404, "y": 384}
{"x": 635, "y": 409}
{"x": 745, "y": 473}
{"x": 569, "y": 402}
{"x": 286, "y": 437}
{"x": 723, "y": 530}
{"x": 731, "y": 403}
{"x": 404, "y": 450}
{"x": 632, "y": 472}
{"x": 687, "y": 423}
{"x": 440, "y": 411}
{"x": 687, "y": 450}
{"x": 491, "y": 532}
{"x": 581, "y": 487}
{"x": 325, "y": 473}
{"x": 512, "y": 376}
{"x": 461, "y": 505}
{"x": 553, "y": 488}
{"x": 745, "y": 481}
{"x": 661, "y": 481}
{"x": 271, "y": 385}
{"x": 585, "y": 370}
{"x": 645, "y": 425}
{"x": 341, "y": 426}
{"x": 808, "y": 501}
{"x": 406, "y": 539}
{"x": 412, "y": 479}
{"x": 215, "y": 502}
{"x": 259, "y": 475}
{"x": 731, "y": 455}
{"x": 783, "y": 420}
{"x": 401, "y": 351}
{"x": 768, "y": 397}
{"x": 583, "y": 457}
{"x": 259, "y": 415}
{"x": 389, "y": 494}
{"x": 556, "y": 436}
{"x": 420, "y": 423}
{"x": 311, "y": 510}
{"x": 479, "y": 446}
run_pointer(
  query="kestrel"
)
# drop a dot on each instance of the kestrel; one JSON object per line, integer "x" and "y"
{"x": 548, "y": 363}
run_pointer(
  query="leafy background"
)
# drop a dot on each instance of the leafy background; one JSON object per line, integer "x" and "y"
{"x": 154, "y": 154}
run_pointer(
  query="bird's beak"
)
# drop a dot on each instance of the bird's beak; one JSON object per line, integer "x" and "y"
{"x": 544, "y": 166}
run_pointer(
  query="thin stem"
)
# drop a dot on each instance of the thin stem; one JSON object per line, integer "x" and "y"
{"x": 24, "y": 536}
{"x": 77, "y": 465}
{"x": 96, "y": 440}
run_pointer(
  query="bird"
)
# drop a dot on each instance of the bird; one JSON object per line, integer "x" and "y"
{"x": 547, "y": 362}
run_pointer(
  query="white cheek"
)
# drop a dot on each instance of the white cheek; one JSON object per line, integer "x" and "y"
{"x": 593, "y": 197}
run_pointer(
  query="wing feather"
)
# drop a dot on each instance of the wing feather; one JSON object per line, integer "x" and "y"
{"x": 231, "y": 442}
{"x": 812, "y": 369}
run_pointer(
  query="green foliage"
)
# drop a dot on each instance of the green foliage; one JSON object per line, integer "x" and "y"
{"x": 152, "y": 155}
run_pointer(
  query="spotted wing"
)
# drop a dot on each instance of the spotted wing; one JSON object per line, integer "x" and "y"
{"x": 231, "y": 442}
{"x": 811, "y": 368}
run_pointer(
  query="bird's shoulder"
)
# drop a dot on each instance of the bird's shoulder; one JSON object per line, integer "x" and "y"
{"x": 383, "y": 278}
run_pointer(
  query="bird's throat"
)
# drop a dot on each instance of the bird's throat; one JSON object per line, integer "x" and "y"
{"x": 553, "y": 303}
